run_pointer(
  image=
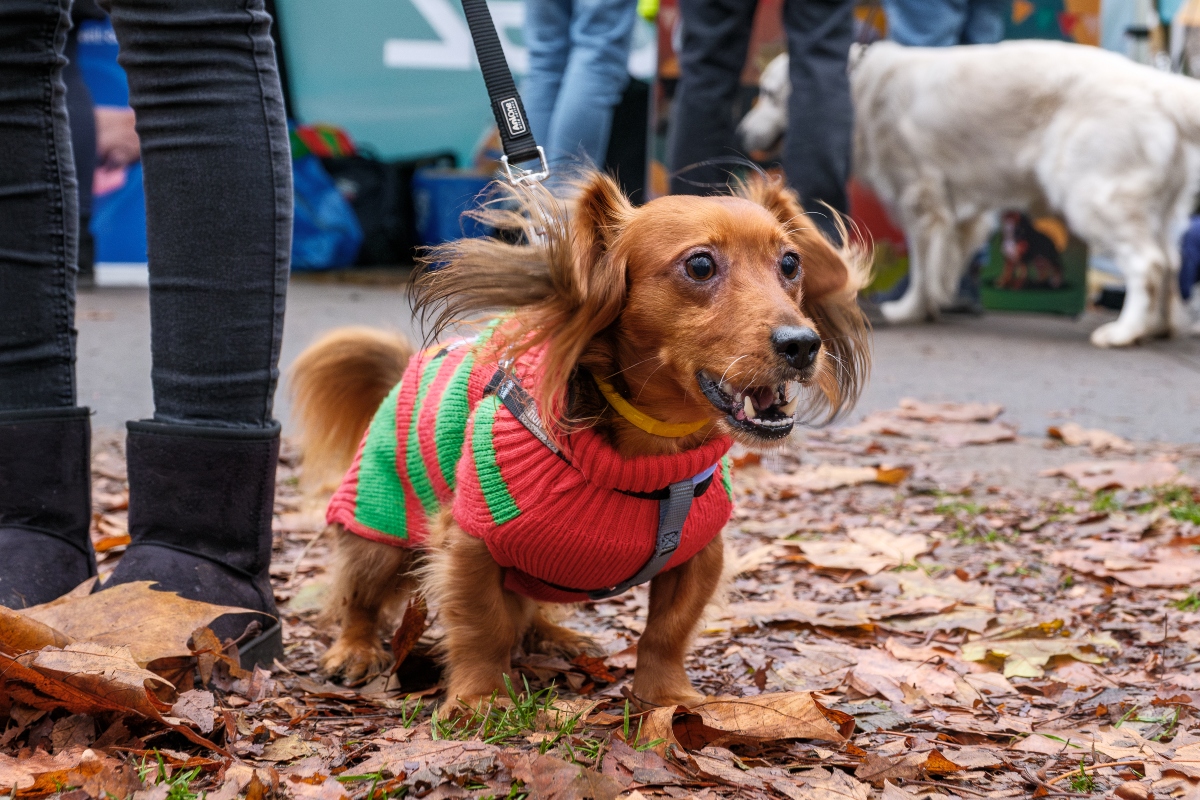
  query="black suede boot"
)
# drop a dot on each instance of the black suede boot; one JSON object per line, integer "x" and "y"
{"x": 45, "y": 504}
{"x": 200, "y": 505}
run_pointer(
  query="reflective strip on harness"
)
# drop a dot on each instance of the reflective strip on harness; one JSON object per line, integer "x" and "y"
{"x": 673, "y": 509}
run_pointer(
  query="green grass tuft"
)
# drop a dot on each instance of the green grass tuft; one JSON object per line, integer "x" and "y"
{"x": 1081, "y": 781}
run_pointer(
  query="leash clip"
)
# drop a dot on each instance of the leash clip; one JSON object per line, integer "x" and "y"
{"x": 517, "y": 176}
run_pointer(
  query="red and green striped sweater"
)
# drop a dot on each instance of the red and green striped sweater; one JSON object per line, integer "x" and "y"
{"x": 551, "y": 522}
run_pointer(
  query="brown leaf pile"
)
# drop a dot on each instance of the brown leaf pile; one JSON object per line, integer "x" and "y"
{"x": 956, "y": 627}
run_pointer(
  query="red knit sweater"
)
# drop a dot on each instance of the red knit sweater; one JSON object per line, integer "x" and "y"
{"x": 437, "y": 439}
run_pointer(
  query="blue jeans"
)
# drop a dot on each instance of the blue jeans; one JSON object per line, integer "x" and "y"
{"x": 943, "y": 23}
{"x": 578, "y": 51}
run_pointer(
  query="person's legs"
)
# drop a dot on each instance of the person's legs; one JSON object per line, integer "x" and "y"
{"x": 595, "y": 77}
{"x": 716, "y": 36}
{"x": 985, "y": 21}
{"x": 45, "y": 496}
{"x": 548, "y": 37}
{"x": 820, "y": 115}
{"x": 920, "y": 23}
{"x": 82, "y": 112}
{"x": 205, "y": 87}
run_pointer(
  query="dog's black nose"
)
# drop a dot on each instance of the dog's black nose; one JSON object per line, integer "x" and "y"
{"x": 798, "y": 346}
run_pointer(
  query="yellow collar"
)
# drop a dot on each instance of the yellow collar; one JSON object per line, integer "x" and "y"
{"x": 642, "y": 420}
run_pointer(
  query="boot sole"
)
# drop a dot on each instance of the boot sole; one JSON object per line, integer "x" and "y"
{"x": 263, "y": 650}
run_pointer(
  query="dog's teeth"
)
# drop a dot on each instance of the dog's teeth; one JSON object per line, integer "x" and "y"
{"x": 789, "y": 408}
{"x": 749, "y": 406}
{"x": 727, "y": 388}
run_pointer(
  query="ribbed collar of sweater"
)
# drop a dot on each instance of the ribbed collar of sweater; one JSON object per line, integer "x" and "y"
{"x": 602, "y": 466}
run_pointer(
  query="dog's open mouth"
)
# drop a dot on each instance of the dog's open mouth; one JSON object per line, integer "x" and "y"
{"x": 766, "y": 412}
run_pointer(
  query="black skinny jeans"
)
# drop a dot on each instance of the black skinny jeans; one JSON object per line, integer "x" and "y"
{"x": 716, "y": 38}
{"x": 204, "y": 85}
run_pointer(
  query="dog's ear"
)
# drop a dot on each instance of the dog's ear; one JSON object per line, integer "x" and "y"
{"x": 562, "y": 276}
{"x": 832, "y": 279}
{"x": 589, "y": 286}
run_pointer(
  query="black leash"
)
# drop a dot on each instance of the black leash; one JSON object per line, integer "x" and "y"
{"x": 674, "y": 502}
{"x": 515, "y": 134}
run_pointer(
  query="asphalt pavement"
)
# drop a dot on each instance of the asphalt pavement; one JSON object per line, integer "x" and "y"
{"x": 1041, "y": 368}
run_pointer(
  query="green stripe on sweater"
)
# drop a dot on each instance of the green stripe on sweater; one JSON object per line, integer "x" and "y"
{"x": 451, "y": 425}
{"x": 727, "y": 475}
{"x": 418, "y": 474}
{"x": 379, "y": 497}
{"x": 499, "y": 502}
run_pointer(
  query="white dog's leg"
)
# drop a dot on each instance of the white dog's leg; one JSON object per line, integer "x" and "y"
{"x": 911, "y": 305}
{"x": 931, "y": 255}
{"x": 1144, "y": 269}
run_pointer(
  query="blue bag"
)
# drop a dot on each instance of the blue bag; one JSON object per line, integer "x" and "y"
{"x": 326, "y": 233}
{"x": 119, "y": 220}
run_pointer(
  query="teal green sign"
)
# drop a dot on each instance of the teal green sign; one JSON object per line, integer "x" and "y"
{"x": 400, "y": 75}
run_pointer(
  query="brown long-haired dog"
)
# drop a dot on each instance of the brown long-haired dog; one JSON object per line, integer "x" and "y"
{"x": 713, "y": 315}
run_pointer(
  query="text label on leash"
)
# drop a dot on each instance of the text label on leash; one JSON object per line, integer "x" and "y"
{"x": 512, "y": 116}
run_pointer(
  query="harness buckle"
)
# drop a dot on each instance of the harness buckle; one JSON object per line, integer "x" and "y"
{"x": 516, "y": 175}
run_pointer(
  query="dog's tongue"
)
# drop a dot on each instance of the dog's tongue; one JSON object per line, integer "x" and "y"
{"x": 763, "y": 396}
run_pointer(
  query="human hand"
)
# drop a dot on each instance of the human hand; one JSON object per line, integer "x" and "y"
{"x": 117, "y": 143}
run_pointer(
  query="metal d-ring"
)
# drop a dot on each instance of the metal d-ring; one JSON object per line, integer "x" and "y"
{"x": 517, "y": 176}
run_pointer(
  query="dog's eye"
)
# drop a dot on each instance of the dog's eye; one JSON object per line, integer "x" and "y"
{"x": 789, "y": 265}
{"x": 701, "y": 267}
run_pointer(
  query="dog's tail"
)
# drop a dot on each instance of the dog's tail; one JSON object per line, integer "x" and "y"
{"x": 337, "y": 385}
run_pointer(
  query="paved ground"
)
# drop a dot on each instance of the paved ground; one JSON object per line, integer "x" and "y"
{"x": 1041, "y": 368}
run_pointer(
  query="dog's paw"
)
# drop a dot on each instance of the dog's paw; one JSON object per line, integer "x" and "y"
{"x": 555, "y": 640}
{"x": 666, "y": 692}
{"x": 466, "y": 703}
{"x": 1114, "y": 334}
{"x": 672, "y": 697}
{"x": 355, "y": 661}
{"x": 903, "y": 311}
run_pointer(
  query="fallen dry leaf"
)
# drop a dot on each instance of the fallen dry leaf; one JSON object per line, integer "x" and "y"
{"x": 196, "y": 706}
{"x": 287, "y": 748}
{"x": 1133, "y": 563}
{"x": 83, "y": 677}
{"x": 870, "y": 550}
{"x": 1025, "y": 657}
{"x": 834, "y": 615}
{"x": 39, "y": 774}
{"x": 949, "y": 424}
{"x": 412, "y": 626}
{"x": 919, "y": 584}
{"x": 554, "y": 779}
{"x": 1095, "y": 476}
{"x": 106, "y": 543}
{"x": 1100, "y": 441}
{"x": 87, "y": 678}
{"x": 831, "y": 784}
{"x": 966, "y": 618}
{"x": 878, "y": 672}
{"x": 765, "y": 717}
{"x": 150, "y": 623}
{"x": 826, "y": 477}
{"x": 19, "y": 633}
{"x": 949, "y": 412}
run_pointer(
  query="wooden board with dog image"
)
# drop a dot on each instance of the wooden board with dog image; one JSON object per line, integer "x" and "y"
{"x": 1034, "y": 265}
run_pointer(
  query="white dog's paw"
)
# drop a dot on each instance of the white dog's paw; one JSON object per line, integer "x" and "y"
{"x": 1113, "y": 334}
{"x": 902, "y": 312}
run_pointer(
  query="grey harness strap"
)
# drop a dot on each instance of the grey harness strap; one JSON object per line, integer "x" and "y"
{"x": 673, "y": 509}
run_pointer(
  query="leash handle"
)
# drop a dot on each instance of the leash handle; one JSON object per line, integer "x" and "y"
{"x": 515, "y": 136}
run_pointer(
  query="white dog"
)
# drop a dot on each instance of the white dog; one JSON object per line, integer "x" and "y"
{"x": 949, "y": 137}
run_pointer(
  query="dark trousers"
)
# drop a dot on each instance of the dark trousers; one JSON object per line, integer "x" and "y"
{"x": 204, "y": 85}
{"x": 716, "y": 38}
